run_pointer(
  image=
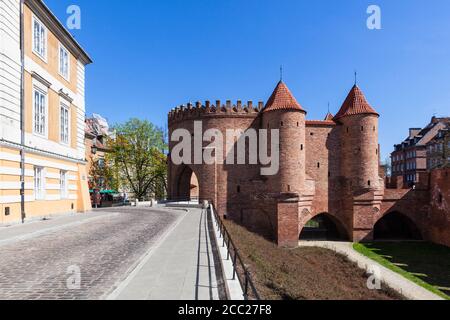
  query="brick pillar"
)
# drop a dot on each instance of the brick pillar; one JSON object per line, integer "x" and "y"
{"x": 288, "y": 221}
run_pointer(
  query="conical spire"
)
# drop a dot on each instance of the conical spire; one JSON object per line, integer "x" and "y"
{"x": 282, "y": 99}
{"x": 329, "y": 117}
{"x": 354, "y": 104}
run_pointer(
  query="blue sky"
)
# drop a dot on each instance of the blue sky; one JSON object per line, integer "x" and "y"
{"x": 150, "y": 56}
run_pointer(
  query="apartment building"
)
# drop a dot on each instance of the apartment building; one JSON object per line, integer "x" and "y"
{"x": 96, "y": 134}
{"x": 438, "y": 150}
{"x": 42, "y": 113}
{"x": 409, "y": 158}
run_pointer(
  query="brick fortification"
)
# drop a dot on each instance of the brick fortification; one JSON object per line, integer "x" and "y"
{"x": 328, "y": 167}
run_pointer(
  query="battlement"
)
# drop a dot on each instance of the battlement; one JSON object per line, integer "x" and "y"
{"x": 199, "y": 110}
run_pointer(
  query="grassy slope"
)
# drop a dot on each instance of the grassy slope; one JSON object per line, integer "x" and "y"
{"x": 303, "y": 273}
{"x": 424, "y": 256}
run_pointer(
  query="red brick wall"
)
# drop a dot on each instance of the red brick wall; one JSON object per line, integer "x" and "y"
{"x": 440, "y": 207}
{"x": 291, "y": 126}
{"x": 323, "y": 166}
{"x": 360, "y": 151}
{"x": 330, "y": 175}
{"x": 287, "y": 223}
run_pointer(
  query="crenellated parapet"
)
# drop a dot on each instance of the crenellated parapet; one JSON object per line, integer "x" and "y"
{"x": 199, "y": 110}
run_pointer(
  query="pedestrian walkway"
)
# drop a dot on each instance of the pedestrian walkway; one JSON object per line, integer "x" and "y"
{"x": 180, "y": 267}
{"x": 407, "y": 288}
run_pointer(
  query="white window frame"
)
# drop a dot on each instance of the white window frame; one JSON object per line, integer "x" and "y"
{"x": 39, "y": 183}
{"x": 45, "y": 94}
{"x": 41, "y": 55}
{"x": 62, "y": 48}
{"x": 66, "y": 106}
{"x": 63, "y": 184}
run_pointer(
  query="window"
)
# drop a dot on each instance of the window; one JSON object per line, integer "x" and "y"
{"x": 63, "y": 184}
{"x": 39, "y": 39}
{"x": 40, "y": 112}
{"x": 64, "y": 65}
{"x": 39, "y": 191}
{"x": 64, "y": 124}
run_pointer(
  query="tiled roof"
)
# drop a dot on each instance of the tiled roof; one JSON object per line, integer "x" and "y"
{"x": 329, "y": 117}
{"x": 320, "y": 123}
{"x": 282, "y": 99}
{"x": 354, "y": 104}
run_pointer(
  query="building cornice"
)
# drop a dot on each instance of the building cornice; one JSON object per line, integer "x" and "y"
{"x": 49, "y": 19}
{"x": 65, "y": 95}
{"x": 39, "y": 151}
{"x": 41, "y": 79}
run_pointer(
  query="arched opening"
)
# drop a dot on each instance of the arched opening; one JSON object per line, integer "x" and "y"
{"x": 188, "y": 186}
{"x": 323, "y": 227}
{"x": 396, "y": 226}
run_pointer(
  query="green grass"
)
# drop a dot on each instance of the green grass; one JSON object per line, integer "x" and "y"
{"x": 425, "y": 264}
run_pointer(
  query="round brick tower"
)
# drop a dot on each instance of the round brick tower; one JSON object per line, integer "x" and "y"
{"x": 359, "y": 141}
{"x": 284, "y": 113}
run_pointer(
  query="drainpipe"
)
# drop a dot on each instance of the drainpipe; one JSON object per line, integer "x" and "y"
{"x": 22, "y": 115}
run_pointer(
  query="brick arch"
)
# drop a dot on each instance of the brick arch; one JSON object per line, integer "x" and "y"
{"x": 342, "y": 232}
{"x": 181, "y": 182}
{"x": 395, "y": 224}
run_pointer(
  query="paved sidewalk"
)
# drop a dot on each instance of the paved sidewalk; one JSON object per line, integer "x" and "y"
{"x": 394, "y": 280}
{"x": 181, "y": 267}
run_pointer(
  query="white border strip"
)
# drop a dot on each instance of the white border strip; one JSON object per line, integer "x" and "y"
{"x": 234, "y": 289}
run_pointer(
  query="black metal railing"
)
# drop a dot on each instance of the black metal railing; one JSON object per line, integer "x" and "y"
{"x": 240, "y": 270}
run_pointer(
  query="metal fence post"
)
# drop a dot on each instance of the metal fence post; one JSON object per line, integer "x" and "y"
{"x": 246, "y": 286}
{"x": 234, "y": 264}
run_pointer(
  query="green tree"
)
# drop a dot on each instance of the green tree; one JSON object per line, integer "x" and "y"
{"x": 138, "y": 151}
{"x": 102, "y": 173}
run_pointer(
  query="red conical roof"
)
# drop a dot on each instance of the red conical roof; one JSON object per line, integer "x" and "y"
{"x": 354, "y": 104}
{"x": 282, "y": 99}
{"x": 329, "y": 117}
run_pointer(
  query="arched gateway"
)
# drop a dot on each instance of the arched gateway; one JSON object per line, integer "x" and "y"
{"x": 396, "y": 226}
{"x": 187, "y": 185}
{"x": 323, "y": 227}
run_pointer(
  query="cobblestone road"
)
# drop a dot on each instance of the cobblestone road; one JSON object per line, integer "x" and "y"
{"x": 103, "y": 251}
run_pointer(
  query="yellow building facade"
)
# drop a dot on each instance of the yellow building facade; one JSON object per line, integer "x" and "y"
{"x": 42, "y": 114}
